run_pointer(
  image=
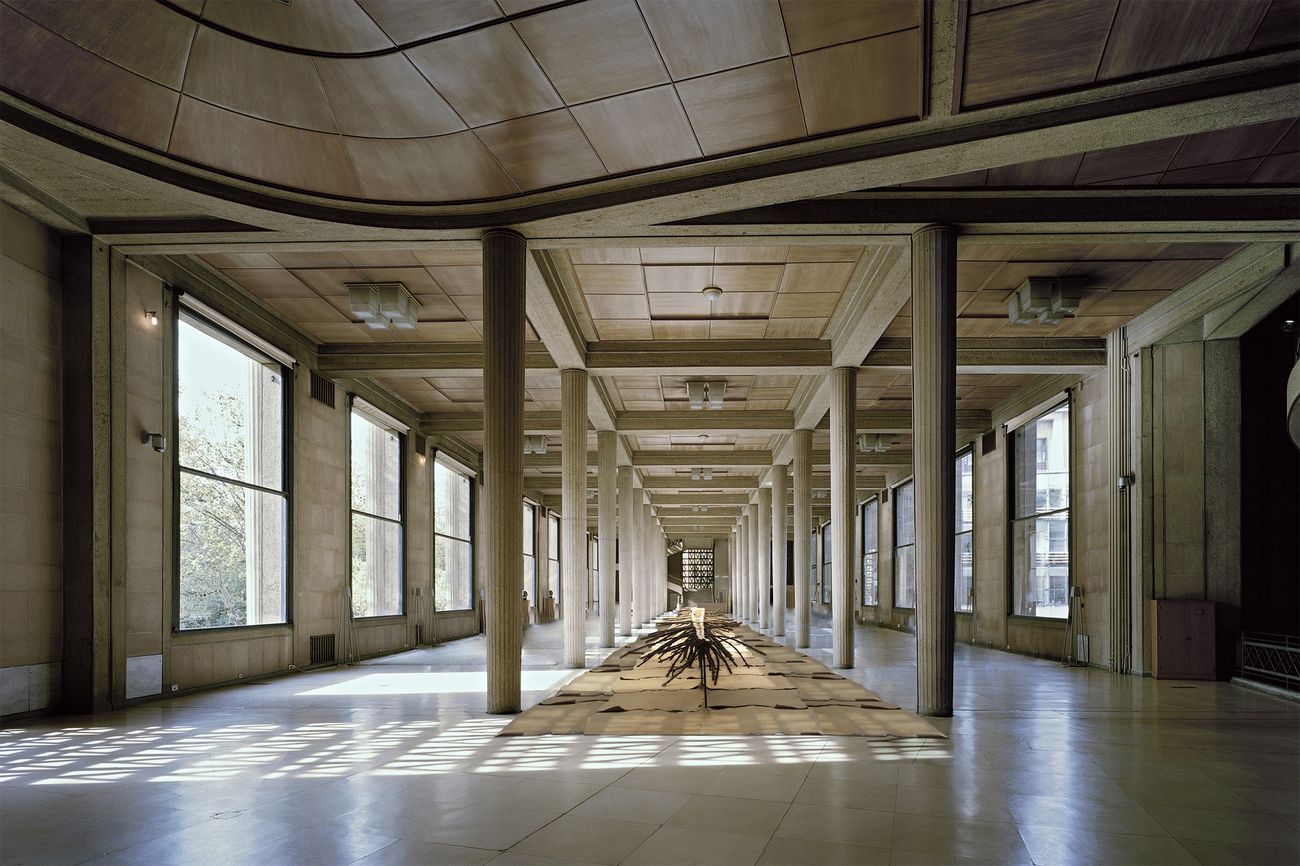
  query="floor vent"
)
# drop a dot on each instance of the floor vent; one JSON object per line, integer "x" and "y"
{"x": 989, "y": 443}
{"x": 322, "y": 389}
{"x": 322, "y": 648}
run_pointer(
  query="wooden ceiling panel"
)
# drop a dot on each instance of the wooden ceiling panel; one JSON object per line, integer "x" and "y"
{"x": 457, "y": 165}
{"x": 1280, "y": 27}
{"x": 677, "y": 278}
{"x": 340, "y": 26}
{"x": 736, "y": 330}
{"x": 1033, "y": 47}
{"x": 750, "y": 255}
{"x": 778, "y": 328}
{"x": 405, "y": 21}
{"x": 803, "y": 305}
{"x": 470, "y": 306}
{"x": 744, "y": 108}
{"x": 160, "y": 58}
{"x": 618, "y": 307}
{"x": 677, "y": 255}
{"x": 382, "y": 259}
{"x": 1227, "y": 145}
{"x": 330, "y": 332}
{"x": 458, "y": 279}
{"x": 623, "y": 329}
{"x": 288, "y": 259}
{"x": 1125, "y": 303}
{"x": 263, "y": 150}
{"x": 268, "y": 282}
{"x": 812, "y": 25}
{"x": 747, "y": 304}
{"x": 416, "y": 279}
{"x": 679, "y": 305}
{"x": 686, "y": 32}
{"x": 1147, "y": 36}
{"x": 637, "y": 130}
{"x": 594, "y": 50}
{"x": 313, "y": 309}
{"x": 235, "y": 74}
{"x": 329, "y": 281}
{"x": 1122, "y": 162}
{"x": 886, "y": 76}
{"x": 1041, "y": 172}
{"x": 241, "y": 260}
{"x": 822, "y": 253}
{"x": 816, "y": 277}
{"x": 696, "y": 330}
{"x": 542, "y": 150}
{"x": 487, "y": 75}
{"x": 1234, "y": 173}
{"x": 449, "y": 258}
{"x": 748, "y": 278}
{"x": 1280, "y": 169}
{"x": 54, "y": 72}
{"x": 1166, "y": 275}
{"x": 605, "y": 256}
{"x": 384, "y": 97}
{"x": 610, "y": 279}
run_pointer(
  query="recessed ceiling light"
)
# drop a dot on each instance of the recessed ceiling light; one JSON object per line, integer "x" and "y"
{"x": 712, "y": 293}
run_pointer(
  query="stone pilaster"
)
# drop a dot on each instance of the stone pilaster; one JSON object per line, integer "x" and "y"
{"x": 934, "y": 435}
{"x": 504, "y": 255}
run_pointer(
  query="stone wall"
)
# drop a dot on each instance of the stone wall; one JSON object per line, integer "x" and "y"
{"x": 31, "y": 480}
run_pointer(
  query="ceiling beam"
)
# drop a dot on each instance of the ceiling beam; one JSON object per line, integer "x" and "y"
{"x": 711, "y": 459}
{"x": 1001, "y": 355}
{"x": 398, "y": 360}
{"x": 709, "y": 357}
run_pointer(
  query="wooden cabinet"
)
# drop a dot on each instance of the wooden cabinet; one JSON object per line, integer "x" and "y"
{"x": 1182, "y": 639}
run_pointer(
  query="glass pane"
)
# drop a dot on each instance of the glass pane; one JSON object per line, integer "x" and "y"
{"x": 453, "y": 574}
{"x": 232, "y": 554}
{"x": 553, "y": 535}
{"x": 451, "y": 515}
{"x": 965, "y": 571}
{"x": 871, "y": 526}
{"x": 376, "y": 469}
{"x": 827, "y": 572}
{"x": 904, "y": 514}
{"x": 530, "y": 531}
{"x": 530, "y": 577}
{"x": 231, "y": 410}
{"x": 376, "y": 567}
{"x": 1041, "y": 454}
{"x": 905, "y": 577}
{"x": 1041, "y": 566}
{"x": 965, "y": 518}
{"x": 870, "y": 579}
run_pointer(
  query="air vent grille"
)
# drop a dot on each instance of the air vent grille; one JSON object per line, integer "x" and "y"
{"x": 322, "y": 649}
{"x": 989, "y": 443}
{"x": 322, "y": 389}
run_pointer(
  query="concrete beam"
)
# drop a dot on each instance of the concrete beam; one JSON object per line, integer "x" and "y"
{"x": 709, "y": 357}
{"x": 1001, "y": 355}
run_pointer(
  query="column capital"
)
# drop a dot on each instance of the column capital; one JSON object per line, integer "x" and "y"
{"x": 935, "y": 227}
{"x": 502, "y": 232}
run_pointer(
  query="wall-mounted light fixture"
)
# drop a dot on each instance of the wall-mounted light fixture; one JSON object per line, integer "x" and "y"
{"x": 1045, "y": 300}
{"x": 156, "y": 441}
{"x": 151, "y": 316}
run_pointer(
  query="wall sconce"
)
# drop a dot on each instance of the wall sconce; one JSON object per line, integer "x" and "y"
{"x": 151, "y": 316}
{"x": 1123, "y": 483}
{"x": 156, "y": 441}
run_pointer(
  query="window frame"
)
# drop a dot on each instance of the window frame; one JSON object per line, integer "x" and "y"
{"x": 473, "y": 533}
{"x": 826, "y": 565}
{"x": 554, "y": 539}
{"x": 896, "y": 547}
{"x": 178, "y": 312}
{"x": 875, "y": 551}
{"x": 958, "y": 532}
{"x": 1012, "y": 520}
{"x": 400, "y": 521}
{"x": 534, "y": 600}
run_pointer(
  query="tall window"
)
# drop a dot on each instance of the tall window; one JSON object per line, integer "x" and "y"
{"x": 530, "y": 554}
{"x": 826, "y": 564}
{"x": 233, "y": 508}
{"x": 963, "y": 549}
{"x": 814, "y": 553}
{"x": 376, "y": 519}
{"x": 553, "y": 554}
{"x": 453, "y": 544}
{"x": 593, "y": 571}
{"x": 1040, "y": 516}
{"x": 870, "y": 551}
{"x": 905, "y": 546}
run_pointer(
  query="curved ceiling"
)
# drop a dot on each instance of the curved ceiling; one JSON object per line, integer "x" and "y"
{"x": 453, "y": 102}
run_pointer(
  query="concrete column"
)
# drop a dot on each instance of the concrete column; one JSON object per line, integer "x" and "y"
{"x": 934, "y": 435}
{"x": 802, "y": 530}
{"x": 646, "y": 570}
{"x": 503, "y": 461}
{"x": 573, "y": 519}
{"x": 624, "y": 551}
{"x": 742, "y": 570}
{"x": 1118, "y": 404}
{"x": 779, "y": 477}
{"x": 755, "y": 567}
{"x": 606, "y": 527}
{"x": 844, "y": 385}
{"x": 764, "y": 520}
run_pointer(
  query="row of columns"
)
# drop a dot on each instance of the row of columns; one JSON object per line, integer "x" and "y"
{"x": 759, "y": 593}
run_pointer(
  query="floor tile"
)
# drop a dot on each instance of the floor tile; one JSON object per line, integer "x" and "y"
{"x": 681, "y": 845}
{"x": 754, "y": 785}
{"x": 847, "y": 792}
{"x": 1242, "y": 854}
{"x": 408, "y": 852}
{"x": 686, "y": 780}
{"x": 632, "y": 804}
{"x": 842, "y": 826}
{"x": 1054, "y": 846}
{"x": 729, "y": 815}
{"x": 782, "y": 851}
{"x": 589, "y": 840}
{"x": 988, "y": 840}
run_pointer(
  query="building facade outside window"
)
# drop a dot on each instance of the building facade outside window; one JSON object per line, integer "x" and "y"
{"x": 233, "y": 504}
{"x": 377, "y": 566}
{"x": 963, "y": 547}
{"x": 453, "y": 539}
{"x": 870, "y": 552}
{"x": 905, "y": 546}
{"x": 826, "y": 563}
{"x": 530, "y": 555}
{"x": 1040, "y": 516}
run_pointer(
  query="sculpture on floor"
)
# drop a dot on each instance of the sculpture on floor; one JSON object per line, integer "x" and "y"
{"x": 697, "y": 638}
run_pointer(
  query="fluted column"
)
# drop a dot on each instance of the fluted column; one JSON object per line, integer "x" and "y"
{"x": 606, "y": 528}
{"x": 934, "y": 435}
{"x": 764, "y": 519}
{"x": 778, "y": 476}
{"x": 503, "y": 461}
{"x": 573, "y": 519}
{"x": 755, "y": 567}
{"x": 802, "y": 531}
{"x": 626, "y": 545}
{"x": 742, "y": 556}
{"x": 844, "y": 384}
{"x": 647, "y": 613}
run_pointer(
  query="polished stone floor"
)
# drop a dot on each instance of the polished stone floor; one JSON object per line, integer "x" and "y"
{"x": 394, "y": 762}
